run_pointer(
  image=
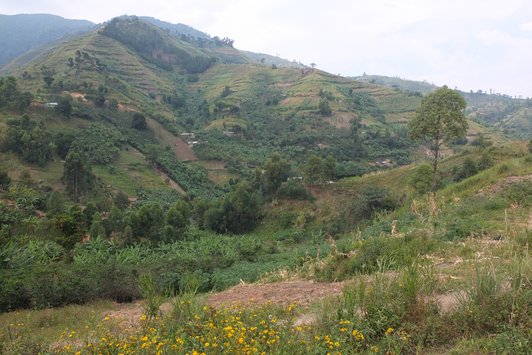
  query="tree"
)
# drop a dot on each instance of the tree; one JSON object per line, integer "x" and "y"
{"x": 97, "y": 229}
{"x": 121, "y": 200}
{"x": 77, "y": 176}
{"x": 324, "y": 108}
{"x": 64, "y": 106}
{"x": 314, "y": 170}
{"x": 439, "y": 120}
{"x": 139, "y": 122}
{"x": 276, "y": 171}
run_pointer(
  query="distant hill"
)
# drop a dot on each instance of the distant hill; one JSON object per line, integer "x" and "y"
{"x": 398, "y": 83}
{"x": 20, "y": 33}
{"x": 176, "y": 28}
{"x": 270, "y": 60}
{"x": 510, "y": 115}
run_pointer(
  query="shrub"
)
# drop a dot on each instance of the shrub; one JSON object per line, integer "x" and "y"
{"x": 421, "y": 179}
{"x": 293, "y": 190}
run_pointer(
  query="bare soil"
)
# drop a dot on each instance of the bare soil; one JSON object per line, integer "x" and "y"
{"x": 183, "y": 151}
{"x": 282, "y": 293}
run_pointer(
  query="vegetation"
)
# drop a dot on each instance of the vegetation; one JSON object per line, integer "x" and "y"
{"x": 439, "y": 119}
{"x": 170, "y": 168}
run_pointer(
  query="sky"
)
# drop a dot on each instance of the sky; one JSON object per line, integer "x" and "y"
{"x": 469, "y": 44}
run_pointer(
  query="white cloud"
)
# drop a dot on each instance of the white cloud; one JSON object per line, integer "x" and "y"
{"x": 526, "y": 26}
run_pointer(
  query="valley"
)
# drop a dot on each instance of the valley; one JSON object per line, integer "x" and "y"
{"x": 164, "y": 192}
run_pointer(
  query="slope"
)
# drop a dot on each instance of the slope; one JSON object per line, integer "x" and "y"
{"x": 510, "y": 115}
{"x": 205, "y": 94}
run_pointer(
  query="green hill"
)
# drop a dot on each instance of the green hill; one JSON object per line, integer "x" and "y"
{"x": 510, "y": 115}
{"x": 137, "y": 163}
{"x": 239, "y": 111}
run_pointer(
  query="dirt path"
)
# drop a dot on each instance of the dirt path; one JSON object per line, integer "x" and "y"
{"x": 300, "y": 292}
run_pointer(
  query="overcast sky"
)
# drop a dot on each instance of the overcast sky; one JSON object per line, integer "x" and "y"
{"x": 470, "y": 44}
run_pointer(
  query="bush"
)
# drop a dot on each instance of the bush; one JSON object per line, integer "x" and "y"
{"x": 421, "y": 179}
{"x": 293, "y": 190}
{"x": 468, "y": 168}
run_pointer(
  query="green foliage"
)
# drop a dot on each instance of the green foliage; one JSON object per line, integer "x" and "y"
{"x": 468, "y": 168}
{"x": 63, "y": 143}
{"x": 317, "y": 170}
{"x": 238, "y": 212}
{"x": 5, "y": 181}
{"x": 11, "y": 97}
{"x": 421, "y": 179}
{"x": 139, "y": 122}
{"x": 31, "y": 141}
{"x": 99, "y": 144}
{"x": 147, "y": 222}
{"x": 367, "y": 105}
{"x": 64, "y": 106}
{"x": 121, "y": 200}
{"x": 148, "y": 40}
{"x": 97, "y": 229}
{"x": 165, "y": 198}
{"x": 276, "y": 171}
{"x": 323, "y": 108}
{"x": 192, "y": 178}
{"x": 148, "y": 290}
{"x": 55, "y": 203}
{"x": 439, "y": 119}
{"x": 293, "y": 190}
{"x": 26, "y": 197}
{"x": 77, "y": 175}
{"x": 485, "y": 162}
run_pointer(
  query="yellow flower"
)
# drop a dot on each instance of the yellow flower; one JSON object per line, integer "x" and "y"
{"x": 358, "y": 335}
{"x": 389, "y": 331}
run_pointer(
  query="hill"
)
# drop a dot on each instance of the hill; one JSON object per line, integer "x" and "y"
{"x": 422, "y": 87}
{"x": 22, "y": 33}
{"x": 213, "y": 107}
{"x": 510, "y": 115}
{"x": 136, "y": 164}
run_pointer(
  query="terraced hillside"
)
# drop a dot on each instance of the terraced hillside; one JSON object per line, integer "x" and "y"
{"x": 211, "y": 105}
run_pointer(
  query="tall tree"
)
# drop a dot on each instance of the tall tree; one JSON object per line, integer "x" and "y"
{"x": 276, "y": 171}
{"x": 439, "y": 120}
{"x": 77, "y": 176}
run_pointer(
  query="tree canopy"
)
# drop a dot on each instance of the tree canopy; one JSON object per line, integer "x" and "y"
{"x": 439, "y": 120}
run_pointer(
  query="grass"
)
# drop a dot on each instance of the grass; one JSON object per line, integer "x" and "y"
{"x": 379, "y": 313}
{"x": 412, "y": 290}
{"x": 31, "y": 332}
{"x": 129, "y": 172}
